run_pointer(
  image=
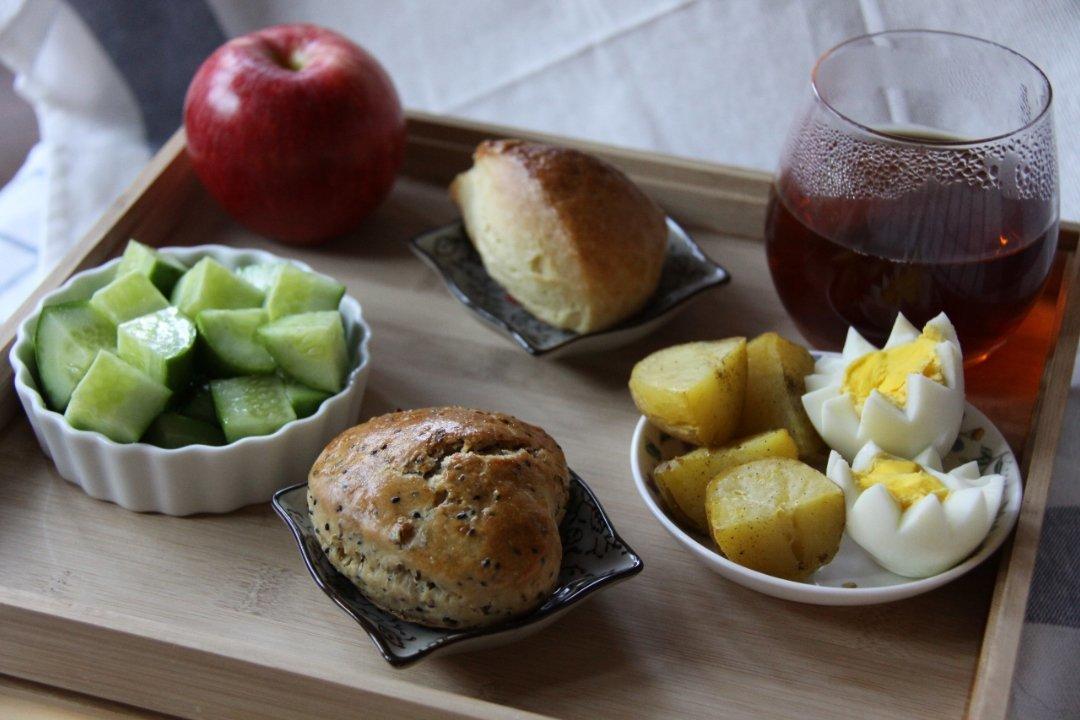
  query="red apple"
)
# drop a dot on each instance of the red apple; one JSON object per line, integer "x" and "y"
{"x": 295, "y": 130}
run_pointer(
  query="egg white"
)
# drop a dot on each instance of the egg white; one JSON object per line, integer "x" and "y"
{"x": 929, "y": 537}
{"x": 930, "y": 418}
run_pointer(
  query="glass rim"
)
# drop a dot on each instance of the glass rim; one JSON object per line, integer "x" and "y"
{"x": 896, "y": 137}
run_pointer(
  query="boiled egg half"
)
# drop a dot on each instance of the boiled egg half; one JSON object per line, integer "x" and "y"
{"x": 904, "y": 397}
{"x": 914, "y": 519}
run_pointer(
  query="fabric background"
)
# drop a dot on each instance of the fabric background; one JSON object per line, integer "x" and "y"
{"x": 708, "y": 79}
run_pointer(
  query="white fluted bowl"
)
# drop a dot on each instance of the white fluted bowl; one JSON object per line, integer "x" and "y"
{"x": 196, "y": 478}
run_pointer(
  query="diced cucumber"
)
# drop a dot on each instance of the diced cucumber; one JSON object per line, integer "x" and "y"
{"x": 261, "y": 275}
{"x": 298, "y": 291}
{"x": 162, "y": 270}
{"x": 128, "y": 296}
{"x": 305, "y": 401}
{"x": 172, "y": 430}
{"x": 199, "y": 405}
{"x": 228, "y": 344}
{"x": 212, "y": 285}
{"x": 161, "y": 344}
{"x": 116, "y": 400}
{"x": 66, "y": 341}
{"x": 254, "y": 405}
{"x": 310, "y": 347}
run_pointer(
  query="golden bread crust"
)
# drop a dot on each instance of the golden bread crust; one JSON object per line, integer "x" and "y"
{"x": 444, "y": 516}
{"x": 567, "y": 234}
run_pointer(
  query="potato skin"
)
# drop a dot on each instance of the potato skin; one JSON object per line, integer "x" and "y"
{"x": 775, "y": 383}
{"x": 694, "y": 391}
{"x": 682, "y": 481}
{"x": 777, "y": 516}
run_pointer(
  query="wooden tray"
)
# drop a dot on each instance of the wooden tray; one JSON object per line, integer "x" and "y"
{"x": 214, "y": 616}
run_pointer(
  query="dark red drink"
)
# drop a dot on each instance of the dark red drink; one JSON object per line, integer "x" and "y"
{"x": 920, "y": 178}
{"x": 978, "y": 256}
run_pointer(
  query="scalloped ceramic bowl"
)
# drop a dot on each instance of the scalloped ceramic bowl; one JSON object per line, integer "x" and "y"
{"x": 196, "y": 478}
{"x": 853, "y": 577}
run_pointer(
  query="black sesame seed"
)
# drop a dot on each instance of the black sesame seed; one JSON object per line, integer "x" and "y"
{"x": 395, "y": 500}
{"x": 326, "y": 526}
{"x": 431, "y": 585}
{"x": 486, "y": 609}
{"x": 450, "y": 621}
{"x": 485, "y": 562}
{"x": 339, "y": 508}
{"x": 462, "y": 515}
{"x": 416, "y": 514}
{"x": 483, "y": 583}
{"x": 471, "y": 532}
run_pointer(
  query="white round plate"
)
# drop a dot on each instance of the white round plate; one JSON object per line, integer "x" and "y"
{"x": 852, "y": 578}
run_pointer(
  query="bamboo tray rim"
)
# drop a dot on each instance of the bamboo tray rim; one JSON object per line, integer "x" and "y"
{"x": 700, "y": 192}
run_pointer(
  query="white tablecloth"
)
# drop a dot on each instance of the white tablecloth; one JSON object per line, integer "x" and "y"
{"x": 711, "y": 79}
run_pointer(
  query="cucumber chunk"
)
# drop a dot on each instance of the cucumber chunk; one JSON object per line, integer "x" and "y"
{"x": 261, "y": 275}
{"x": 199, "y": 405}
{"x": 128, "y": 296}
{"x": 162, "y": 270}
{"x": 66, "y": 341}
{"x": 298, "y": 291}
{"x": 310, "y": 347}
{"x": 212, "y": 285}
{"x": 161, "y": 344}
{"x": 228, "y": 344}
{"x": 116, "y": 400}
{"x": 254, "y": 405}
{"x": 305, "y": 401}
{"x": 172, "y": 430}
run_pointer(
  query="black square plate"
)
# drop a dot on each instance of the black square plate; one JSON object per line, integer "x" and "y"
{"x": 594, "y": 557}
{"x": 448, "y": 250}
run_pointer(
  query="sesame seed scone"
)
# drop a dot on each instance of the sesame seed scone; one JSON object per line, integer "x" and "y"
{"x": 447, "y": 517}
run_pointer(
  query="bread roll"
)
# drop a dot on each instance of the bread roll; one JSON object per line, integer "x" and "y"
{"x": 446, "y": 517}
{"x": 566, "y": 234}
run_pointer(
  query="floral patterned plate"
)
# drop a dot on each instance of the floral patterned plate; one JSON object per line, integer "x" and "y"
{"x": 447, "y": 250}
{"x": 853, "y": 577}
{"x": 594, "y": 557}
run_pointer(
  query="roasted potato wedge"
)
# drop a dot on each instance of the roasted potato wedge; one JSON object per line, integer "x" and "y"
{"x": 778, "y": 516}
{"x": 775, "y": 383}
{"x": 682, "y": 480}
{"x": 694, "y": 392}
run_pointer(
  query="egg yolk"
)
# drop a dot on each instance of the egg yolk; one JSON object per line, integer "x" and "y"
{"x": 905, "y": 480}
{"x": 887, "y": 370}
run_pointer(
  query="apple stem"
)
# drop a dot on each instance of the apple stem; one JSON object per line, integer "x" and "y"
{"x": 293, "y": 60}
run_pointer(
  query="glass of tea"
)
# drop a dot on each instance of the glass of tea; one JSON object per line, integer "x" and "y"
{"x": 921, "y": 177}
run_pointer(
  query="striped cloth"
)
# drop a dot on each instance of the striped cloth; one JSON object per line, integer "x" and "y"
{"x": 719, "y": 81}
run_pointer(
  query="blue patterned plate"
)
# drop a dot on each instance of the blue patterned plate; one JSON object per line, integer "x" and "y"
{"x": 594, "y": 557}
{"x": 447, "y": 250}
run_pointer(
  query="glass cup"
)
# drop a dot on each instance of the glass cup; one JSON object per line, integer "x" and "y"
{"x": 921, "y": 177}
